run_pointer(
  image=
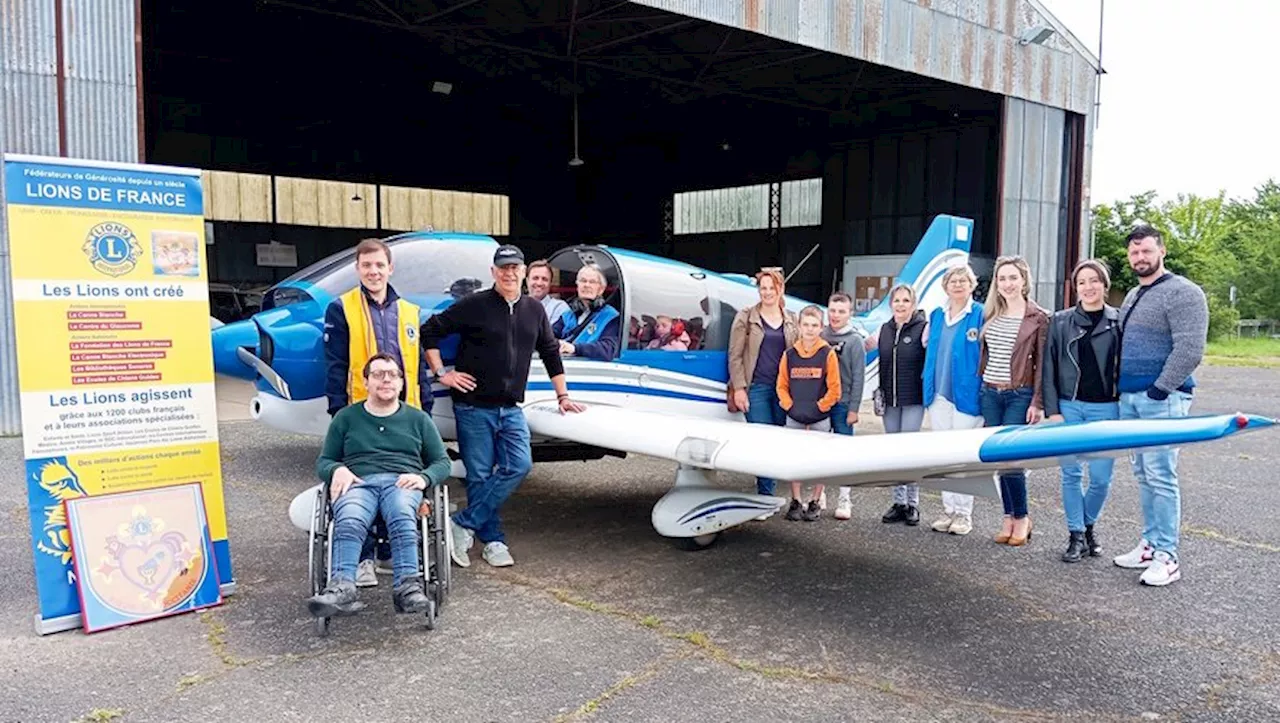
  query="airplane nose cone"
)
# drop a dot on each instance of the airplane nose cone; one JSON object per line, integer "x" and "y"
{"x": 228, "y": 338}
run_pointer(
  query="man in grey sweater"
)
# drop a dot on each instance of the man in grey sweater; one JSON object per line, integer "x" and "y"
{"x": 1164, "y": 323}
{"x": 847, "y": 342}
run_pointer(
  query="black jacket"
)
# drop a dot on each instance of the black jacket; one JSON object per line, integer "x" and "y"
{"x": 902, "y": 361}
{"x": 1061, "y": 367}
{"x": 496, "y": 345}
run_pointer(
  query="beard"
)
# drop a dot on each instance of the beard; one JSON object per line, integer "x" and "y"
{"x": 1146, "y": 270}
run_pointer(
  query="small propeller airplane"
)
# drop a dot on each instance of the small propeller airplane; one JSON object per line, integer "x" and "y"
{"x": 667, "y": 404}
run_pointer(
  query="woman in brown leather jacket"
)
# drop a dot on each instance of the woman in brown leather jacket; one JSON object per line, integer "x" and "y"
{"x": 1012, "y": 345}
{"x": 760, "y": 335}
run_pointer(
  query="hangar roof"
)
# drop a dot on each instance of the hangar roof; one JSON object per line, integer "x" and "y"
{"x": 756, "y": 48}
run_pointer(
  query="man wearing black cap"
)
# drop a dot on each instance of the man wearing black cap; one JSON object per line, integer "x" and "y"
{"x": 499, "y": 330}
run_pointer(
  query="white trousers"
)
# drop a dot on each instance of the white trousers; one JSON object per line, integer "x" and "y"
{"x": 943, "y": 415}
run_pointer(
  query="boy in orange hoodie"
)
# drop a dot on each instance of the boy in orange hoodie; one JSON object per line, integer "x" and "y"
{"x": 808, "y": 387}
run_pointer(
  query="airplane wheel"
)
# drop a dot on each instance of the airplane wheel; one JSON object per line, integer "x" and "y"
{"x": 700, "y": 542}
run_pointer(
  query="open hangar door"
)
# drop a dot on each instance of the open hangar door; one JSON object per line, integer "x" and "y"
{"x": 663, "y": 112}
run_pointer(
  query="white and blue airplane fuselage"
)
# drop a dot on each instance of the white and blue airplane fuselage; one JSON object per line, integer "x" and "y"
{"x": 667, "y": 404}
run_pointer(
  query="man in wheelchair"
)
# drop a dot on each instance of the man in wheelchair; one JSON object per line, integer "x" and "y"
{"x": 378, "y": 456}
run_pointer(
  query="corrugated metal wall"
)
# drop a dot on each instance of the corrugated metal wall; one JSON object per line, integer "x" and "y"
{"x": 100, "y": 97}
{"x": 970, "y": 42}
{"x": 896, "y": 184}
{"x": 101, "y": 79}
{"x": 1033, "y": 208}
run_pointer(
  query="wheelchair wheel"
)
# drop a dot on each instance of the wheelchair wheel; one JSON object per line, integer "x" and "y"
{"x": 431, "y": 614}
{"x": 440, "y": 541}
{"x": 319, "y": 555}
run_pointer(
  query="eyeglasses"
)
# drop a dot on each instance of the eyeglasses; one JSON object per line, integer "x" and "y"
{"x": 384, "y": 374}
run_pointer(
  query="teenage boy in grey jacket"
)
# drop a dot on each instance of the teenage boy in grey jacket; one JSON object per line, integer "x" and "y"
{"x": 847, "y": 342}
{"x": 1163, "y": 324}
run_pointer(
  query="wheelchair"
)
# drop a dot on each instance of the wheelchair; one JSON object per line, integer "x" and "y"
{"x": 433, "y": 553}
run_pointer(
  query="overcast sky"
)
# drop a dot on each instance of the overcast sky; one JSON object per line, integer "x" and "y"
{"x": 1189, "y": 98}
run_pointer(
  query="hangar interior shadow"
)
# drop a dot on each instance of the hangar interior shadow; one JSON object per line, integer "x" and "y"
{"x": 348, "y": 90}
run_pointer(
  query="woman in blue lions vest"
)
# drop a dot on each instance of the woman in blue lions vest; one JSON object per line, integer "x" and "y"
{"x": 590, "y": 328}
{"x": 951, "y": 379}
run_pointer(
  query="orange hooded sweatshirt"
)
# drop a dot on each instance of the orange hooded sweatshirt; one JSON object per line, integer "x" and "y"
{"x": 809, "y": 381}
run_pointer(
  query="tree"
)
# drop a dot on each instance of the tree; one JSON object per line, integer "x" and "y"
{"x": 1218, "y": 244}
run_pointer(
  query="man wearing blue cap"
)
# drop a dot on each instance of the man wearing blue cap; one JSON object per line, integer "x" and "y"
{"x": 499, "y": 329}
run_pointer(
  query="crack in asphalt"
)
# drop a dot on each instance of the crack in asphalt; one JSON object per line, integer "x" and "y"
{"x": 652, "y": 670}
{"x": 705, "y": 648}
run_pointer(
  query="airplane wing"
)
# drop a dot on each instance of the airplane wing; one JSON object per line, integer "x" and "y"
{"x": 942, "y": 459}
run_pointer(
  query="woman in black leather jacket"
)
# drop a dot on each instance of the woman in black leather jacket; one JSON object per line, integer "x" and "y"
{"x": 1081, "y": 368}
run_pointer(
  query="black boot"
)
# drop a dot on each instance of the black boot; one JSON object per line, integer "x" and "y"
{"x": 1091, "y": 542}
{"x": 338, "y": 599}
{"x": 897, "y": 513}
{"x": 1076, "y": 548}
{"x": 912, "y": 516}
{"x": 409, "y": 597}
{"x": 796, "y": 511}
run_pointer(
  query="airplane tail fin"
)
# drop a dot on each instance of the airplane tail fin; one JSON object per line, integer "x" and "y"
{"x": 945, "y": 244}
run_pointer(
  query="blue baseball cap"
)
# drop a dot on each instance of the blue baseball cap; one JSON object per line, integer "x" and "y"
{"x": 507, "y": 255}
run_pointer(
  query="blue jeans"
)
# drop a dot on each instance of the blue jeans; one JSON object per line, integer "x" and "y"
{"x": 494, "y": 445}
{"x": 763, "y": 408}
{"x": 1007, "y": 407}
{"x": 1082, "y": 508}
{"x": 840, "y": 419}
{"x": 379, "y": 531}
{"x": 353, "y": 513}
{"x": 1157, "y": 471}
{"x": 904, "y": 419}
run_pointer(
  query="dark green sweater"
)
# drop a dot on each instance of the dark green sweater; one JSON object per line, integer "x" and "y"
{"x": 405, "y": 441}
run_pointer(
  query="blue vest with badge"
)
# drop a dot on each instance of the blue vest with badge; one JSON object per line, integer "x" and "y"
{"x": 590, "y": 331}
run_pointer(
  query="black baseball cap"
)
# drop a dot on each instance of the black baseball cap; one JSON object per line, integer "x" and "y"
{"x": 507, "y": 255}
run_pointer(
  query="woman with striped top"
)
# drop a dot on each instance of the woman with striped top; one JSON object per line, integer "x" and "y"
{"x": 1013, "y": 335}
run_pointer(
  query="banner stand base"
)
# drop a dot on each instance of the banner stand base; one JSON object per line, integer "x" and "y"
{"x": 46, "y": 626}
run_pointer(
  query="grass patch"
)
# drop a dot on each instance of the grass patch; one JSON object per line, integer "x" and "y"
{"x": 1250, "y": 352}
{"x": 100, "y": 715}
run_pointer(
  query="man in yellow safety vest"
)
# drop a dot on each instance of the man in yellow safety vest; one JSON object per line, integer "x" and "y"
{"x": 367, "y": 320}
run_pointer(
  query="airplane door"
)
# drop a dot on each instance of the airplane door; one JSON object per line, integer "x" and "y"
{"x": 668, "y": 316}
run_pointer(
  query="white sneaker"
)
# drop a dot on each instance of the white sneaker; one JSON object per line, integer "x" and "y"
{"x": 844, "y": 507}
{"x": 497, "y": 554}
{"x": 1137, "y": 558}
{"x": 460, "y": 539}
{"x": 943, "y": 524}
{"x": 365, "y": 574}
{"x": 961, "y": 525}
{"x": 1161, "y": 571}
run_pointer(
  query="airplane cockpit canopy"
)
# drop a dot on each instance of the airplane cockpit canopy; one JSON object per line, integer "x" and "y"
{"x": 419, "y": 268}
{"x": 667, "y": 305}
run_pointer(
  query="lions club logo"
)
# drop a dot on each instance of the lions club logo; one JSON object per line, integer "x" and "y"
{"x": 112, "y": 248}
{"x": 409, "y": 332}
{"x": 972, "y": 335}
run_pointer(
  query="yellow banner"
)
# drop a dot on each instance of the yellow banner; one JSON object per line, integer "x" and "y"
{"x": 114, "y": 361}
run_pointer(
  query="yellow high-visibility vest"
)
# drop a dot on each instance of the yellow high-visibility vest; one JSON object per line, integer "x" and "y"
{"x": 362, "y": 344}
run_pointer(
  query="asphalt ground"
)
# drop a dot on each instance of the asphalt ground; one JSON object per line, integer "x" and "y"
{"x": 601, "y": 619}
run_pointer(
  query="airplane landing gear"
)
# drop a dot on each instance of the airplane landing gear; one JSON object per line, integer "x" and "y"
{"x": 693, "y": 544}
{"x": 694, "y": 512}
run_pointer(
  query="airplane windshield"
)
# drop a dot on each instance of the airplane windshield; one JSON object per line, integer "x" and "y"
{"x": 421, "y": 267}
